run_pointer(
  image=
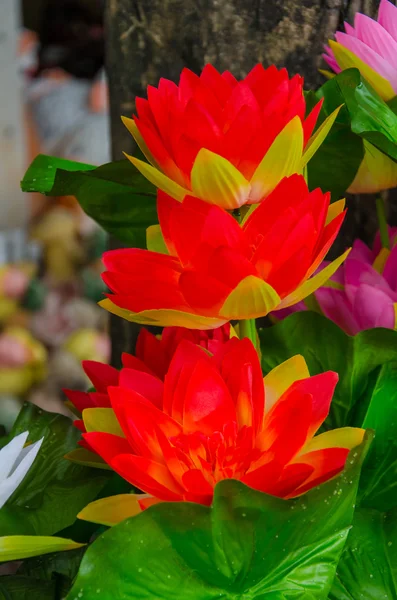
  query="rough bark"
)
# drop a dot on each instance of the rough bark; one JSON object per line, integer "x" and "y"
{"x": 149, "y": 39}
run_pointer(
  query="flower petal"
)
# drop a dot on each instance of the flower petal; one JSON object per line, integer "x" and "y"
{"x": 217, "y": 181}
{"x": 281, "y": 160}
{"x": 10, "y": 452}
{"x": 345, "y": 437}
{"x": 20, "y": 466}
{"x": 251, "y": 298}
{"x": 208, "y": 403}
{"x": 387, "y": 17}
{"x": 158, "y": 179}
{"x": 112, "y": 510}
{"x": 335, "y": 209}
{"x": 282, "y": 377}
{"x": 317, "y": 139}
{"x": 100, "y": 374}
{"x": 165, "y": 317}
{"x": 148, "y": 475}
{"x": 347, "y": 59}
{"x": 103, "y": 420}
{"x": 312, "y": 284}
{"x": 155, "y": 240}
{"x": 376, "y": 172}
{"x": 134, "y": 131}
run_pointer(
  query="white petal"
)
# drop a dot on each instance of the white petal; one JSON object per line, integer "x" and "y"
{"x": 10, "y": 453}
{"x": 8, "y": 487}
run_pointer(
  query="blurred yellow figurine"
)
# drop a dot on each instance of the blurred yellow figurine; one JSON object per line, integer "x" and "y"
{"x": 58, "y": 232}
{"x": 22, "y": 362}
{"x": 14, "y": 282}
{"x": 88, "y": 344}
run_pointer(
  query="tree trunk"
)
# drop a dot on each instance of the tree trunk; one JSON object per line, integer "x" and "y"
{"x": 149, "y": 39}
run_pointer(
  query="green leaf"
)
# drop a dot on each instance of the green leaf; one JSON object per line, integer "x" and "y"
{"x": 59, "y": 563}
{"x": 15, "y": 587}
{"x": 368, "y": 566}
{"x": 17, "y": 547}
{"x": 378, "y": 483}
{"x": 42, "y": 173}
{"x": 326, "y": 347}
{"x": 246, "y": 545}
{"x": 54, "y": 490}
{"x": 370, "y": 117}
{"x": 335, "y": 164}
{"x": 115, "y": 195}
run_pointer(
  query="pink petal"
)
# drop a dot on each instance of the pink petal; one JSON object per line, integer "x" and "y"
{"x": 390, "y": 270}
{"x": 387, "y": 17}
{"x": 358, "y": 273}
{"x": 376, "y": 37}
{"x": 349, "y": 29}
{"x": 336, "y": 307}
{"x": 330, "y": 60}
{"x": 361, "y": 252}
{"x": 369, "y": 56}
{"x": 373, "y": 308}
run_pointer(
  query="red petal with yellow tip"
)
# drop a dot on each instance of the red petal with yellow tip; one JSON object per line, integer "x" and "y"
{"x": 326, "y": 464}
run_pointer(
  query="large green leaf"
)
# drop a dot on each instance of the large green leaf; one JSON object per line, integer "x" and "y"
{"x": 365, "y": 396}
{"x": 326, "y": 347}
{"x": 378, "y": 483}
{"x": 247, "y": 545}
{"x": 115, "y": 195}
{"x": 54, "y": 490}
{"x": 368, "y": 566}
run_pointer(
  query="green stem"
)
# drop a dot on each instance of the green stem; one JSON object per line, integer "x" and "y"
{"x": 383, "y": 229}
{"x": 247, "y": 329}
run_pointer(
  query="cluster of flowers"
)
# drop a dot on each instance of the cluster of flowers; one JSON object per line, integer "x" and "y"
{"x": 239, "y": 236}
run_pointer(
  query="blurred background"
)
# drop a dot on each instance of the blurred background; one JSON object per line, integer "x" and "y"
{"x": 54, "y": 100}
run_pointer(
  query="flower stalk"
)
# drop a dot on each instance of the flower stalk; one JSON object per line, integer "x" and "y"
{"x": 383, "y": 228}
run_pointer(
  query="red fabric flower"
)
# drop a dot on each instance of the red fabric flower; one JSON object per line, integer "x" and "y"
{"x": 219, "y": 270}
{"x": 225, "y": 141}
{"x": 215, "y": 418}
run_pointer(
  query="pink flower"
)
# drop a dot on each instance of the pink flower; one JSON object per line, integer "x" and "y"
{"x": 362, "y": 294}
{"x": 370, "y": 46}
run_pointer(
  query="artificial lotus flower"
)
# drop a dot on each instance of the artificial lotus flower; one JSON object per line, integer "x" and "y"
{"x": 364, "y": 290}
{"x": 152, "y": 358}
{"x": 218, "y": 270}
{"x": 362, "y": 293}
{"x": 225, "y": 141}
{"x": 15, "y": 462}
{"x": 371, "y": 47}
{"x": 217, "y": 418}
